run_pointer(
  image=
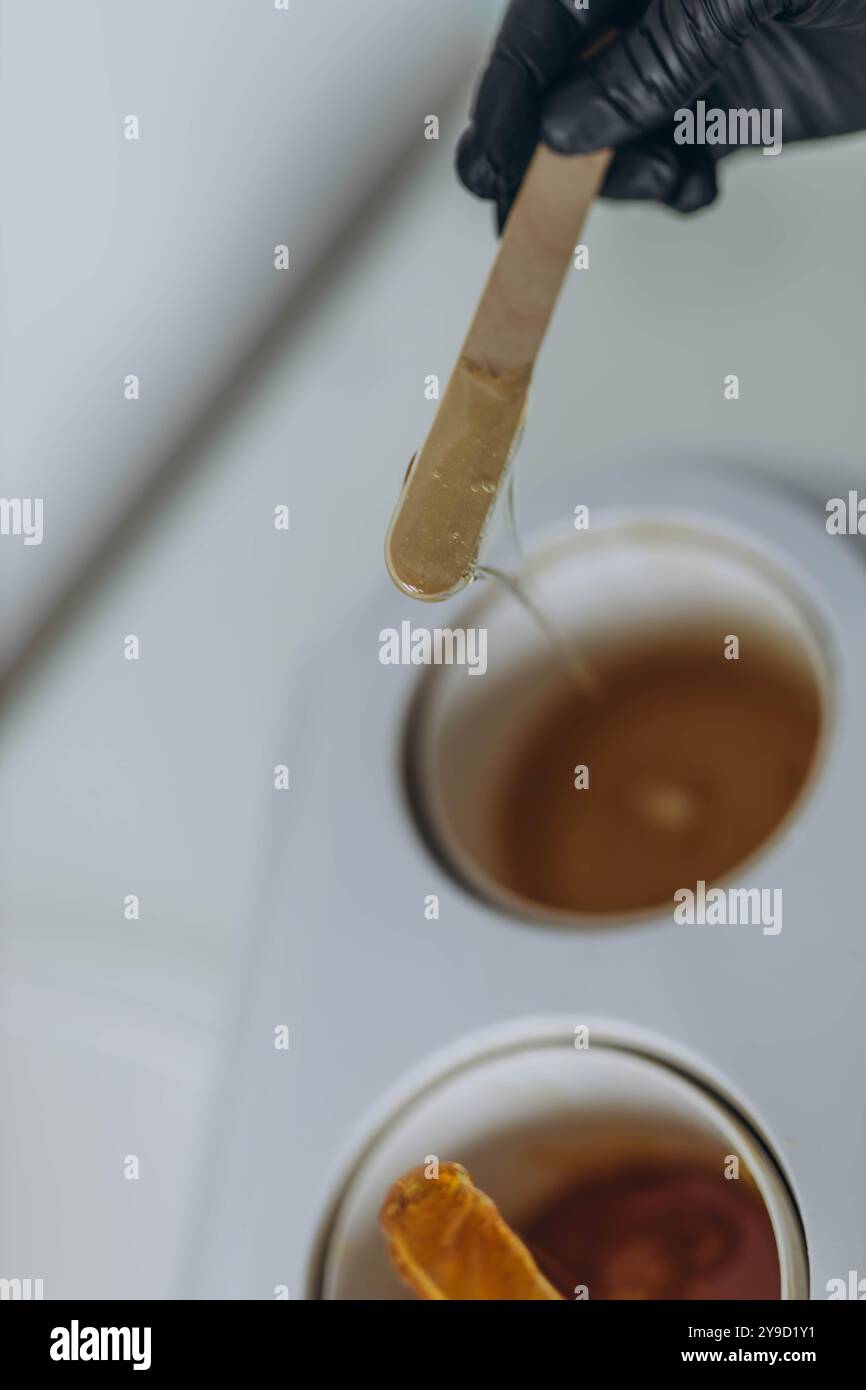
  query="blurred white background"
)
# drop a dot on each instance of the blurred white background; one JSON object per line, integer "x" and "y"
{"x": 155, "y": 777}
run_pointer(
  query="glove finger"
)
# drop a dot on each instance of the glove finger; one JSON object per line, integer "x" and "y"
{"x": 654, "y": 168}
{"x": 536, "y": 46}
{"x": 637, "y": 82}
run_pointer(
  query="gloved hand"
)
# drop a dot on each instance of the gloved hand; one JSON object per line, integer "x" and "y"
{"x": 805, "y": 57}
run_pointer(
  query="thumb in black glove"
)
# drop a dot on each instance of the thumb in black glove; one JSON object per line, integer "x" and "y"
{"x": 806, "y": 58}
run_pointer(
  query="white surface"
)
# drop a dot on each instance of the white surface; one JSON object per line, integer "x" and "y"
{"x": 156, "y": 778}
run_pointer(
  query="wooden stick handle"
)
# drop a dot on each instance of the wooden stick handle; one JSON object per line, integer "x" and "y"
{"x": 534, "y": 254}
{"x": 448, "y": 494}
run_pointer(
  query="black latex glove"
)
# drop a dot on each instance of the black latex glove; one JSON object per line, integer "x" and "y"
{"x": 805, "y": 57}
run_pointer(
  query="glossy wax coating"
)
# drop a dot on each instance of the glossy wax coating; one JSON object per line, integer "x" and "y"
{"x": 436, "y": 533}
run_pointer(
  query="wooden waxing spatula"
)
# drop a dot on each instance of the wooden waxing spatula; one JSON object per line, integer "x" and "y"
{"x": 448, "y": 495}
